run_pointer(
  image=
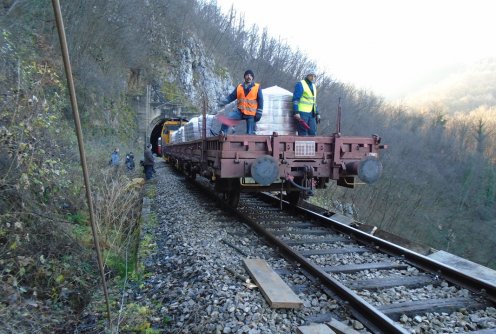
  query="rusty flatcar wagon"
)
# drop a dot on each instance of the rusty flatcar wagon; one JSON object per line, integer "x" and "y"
{"x": 275, "y": 159}
{"x": 287, "y": 163}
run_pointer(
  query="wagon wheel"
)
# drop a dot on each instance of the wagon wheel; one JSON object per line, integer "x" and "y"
{"x": 231, "y": 198}
{"x": 231, "y": 193}
{"x": 294, "y": 198}
{"x": 190, "y": 176}
{"x": 189, "y": 173}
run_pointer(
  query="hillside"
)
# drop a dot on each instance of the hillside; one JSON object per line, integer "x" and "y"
{"x": 438, "y": 186}
{"x": 459, "y": 89}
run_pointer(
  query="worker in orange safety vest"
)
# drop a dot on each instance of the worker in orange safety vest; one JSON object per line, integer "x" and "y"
{"x": 249, "y": 106}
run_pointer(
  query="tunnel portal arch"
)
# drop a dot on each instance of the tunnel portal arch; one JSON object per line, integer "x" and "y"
{"x": 154, "y": 128}
{"x": 155, "y": 133}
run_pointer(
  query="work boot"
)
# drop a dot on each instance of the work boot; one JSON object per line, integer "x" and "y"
{"x": 215, "y": 134}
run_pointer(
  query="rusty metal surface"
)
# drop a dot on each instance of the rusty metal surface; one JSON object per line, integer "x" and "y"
{"x": 232, "y": 156}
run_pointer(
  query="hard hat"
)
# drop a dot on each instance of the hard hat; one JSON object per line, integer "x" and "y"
{"x": 312, "y": 71}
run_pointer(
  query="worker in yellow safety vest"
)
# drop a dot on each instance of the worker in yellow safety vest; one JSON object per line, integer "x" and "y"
{"x": 305, "y": 111}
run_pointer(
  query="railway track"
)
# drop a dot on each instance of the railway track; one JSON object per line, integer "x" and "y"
{"x": 385, "y": 286}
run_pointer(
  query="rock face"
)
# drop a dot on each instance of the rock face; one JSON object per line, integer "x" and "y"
{"x": 194, "y": 72}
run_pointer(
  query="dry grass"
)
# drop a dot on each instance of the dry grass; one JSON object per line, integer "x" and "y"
{"x": 117, "y": 204}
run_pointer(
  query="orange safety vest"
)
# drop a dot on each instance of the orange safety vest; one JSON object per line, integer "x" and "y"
{"x": 247, "y": 104}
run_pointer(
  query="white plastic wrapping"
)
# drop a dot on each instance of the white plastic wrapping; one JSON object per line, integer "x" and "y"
{"x": 192, "y": 130}
{"x": 277, "y": 117}
{"x": 178, "y": 136}
{"x": 277, "y": 113}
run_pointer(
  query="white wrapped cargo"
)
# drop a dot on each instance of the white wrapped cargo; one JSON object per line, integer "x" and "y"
{"x": 178, "y": 136}
{"x": 173, "y": 137}
{"x": 277, "y": 113}
{"x": 212, "y": 124}
{"x": 193, "y": 129}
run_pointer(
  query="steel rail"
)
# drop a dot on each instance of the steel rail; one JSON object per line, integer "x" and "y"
{"x": 449, "y": 273}
{"x": 379, "y": 322}
{"x": 383, "y": 323}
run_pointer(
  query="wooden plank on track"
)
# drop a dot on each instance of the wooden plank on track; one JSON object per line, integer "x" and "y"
{"x": 340, "y": 328}
{"x": 340, "y": 250}
{"x": 390, "y": 282}
{"x": 319, "y": 318}
{"x": 394, "y": 311}
{"x": 277, "y": 293}
{"x": 466, "y": 266}
{"x": 315, "y": 329}
{"x": 351, "y": 268}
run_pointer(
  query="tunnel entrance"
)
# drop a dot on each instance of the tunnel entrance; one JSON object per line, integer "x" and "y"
{"x": 163, "y": 130}
{"x": 155, "y": 137}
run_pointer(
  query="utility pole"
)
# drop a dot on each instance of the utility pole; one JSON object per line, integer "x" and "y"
{"x": 147, "y": 114}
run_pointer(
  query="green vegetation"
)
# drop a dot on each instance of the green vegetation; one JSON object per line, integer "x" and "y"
{"x": 173, "y": 92}
{"x": 438, "y": 187}
{"x": 45, "y": 237}
{"x": 129, "y": 271}
{"x": 77, "y": 218}
{"x": 222, "y": 72}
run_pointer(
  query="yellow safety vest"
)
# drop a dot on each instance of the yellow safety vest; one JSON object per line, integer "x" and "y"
{"x": 307, "y": 100}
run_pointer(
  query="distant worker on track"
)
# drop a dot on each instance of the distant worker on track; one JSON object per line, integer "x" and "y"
{"x": 249, "y": 107}
{"x": 130, "y": 161}
{"x": 148, "y": 162}
{"x": 115, "y": 158}
{"x": 305, "y": 110}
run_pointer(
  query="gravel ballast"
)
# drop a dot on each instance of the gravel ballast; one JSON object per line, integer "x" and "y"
{"x": 195, "y": 276}
{"x": 194, "y": 280}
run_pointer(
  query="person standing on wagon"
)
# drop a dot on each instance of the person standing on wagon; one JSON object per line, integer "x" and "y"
{"x": 249, "y": 107}
{"x": 305, "y": 111}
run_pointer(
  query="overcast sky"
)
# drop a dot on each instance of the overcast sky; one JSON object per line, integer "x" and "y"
{"x": 380, "y": 45}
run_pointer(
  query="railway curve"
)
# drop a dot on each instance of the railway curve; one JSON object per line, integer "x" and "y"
{"x": 196, "y": 276}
